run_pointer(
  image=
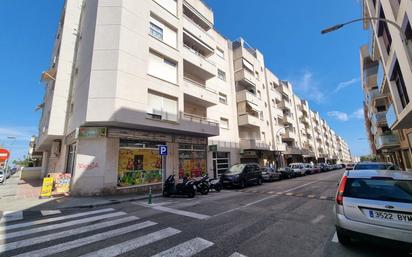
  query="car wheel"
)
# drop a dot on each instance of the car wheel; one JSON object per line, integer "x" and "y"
{"x": 204, "y": 190}
{"x": 192, "y": 194}
{"x": 242, "y": 184}
{"x": 342, "y": 238}
{"x": 260, "y": 181}
{"x": 166, "y": 194}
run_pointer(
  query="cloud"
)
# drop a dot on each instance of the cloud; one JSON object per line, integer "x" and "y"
{"x": 19, "y": 132}
{"x": 345, "y": 84}
{"x": 308, "y": 87}
{"x": 343, "y": 116}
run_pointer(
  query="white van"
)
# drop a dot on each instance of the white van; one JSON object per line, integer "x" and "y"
{"x": 298, "y": 168}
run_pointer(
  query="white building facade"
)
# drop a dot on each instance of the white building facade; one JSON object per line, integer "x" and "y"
{"x": 129, "y": 76}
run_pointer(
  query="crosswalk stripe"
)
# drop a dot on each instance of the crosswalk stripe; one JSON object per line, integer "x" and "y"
{"x": 86, "y": 240}
{"x": 134, "y": 243}
{"x": 236, "y": 254}
{"x": 186, "y": 249}
{"x": 182, "y": 213}
{"x": 62, "y": 234}
{"x": 58, "y": 226}
{"x": 49, "y": 212}
{"x": 43, "y": 221}
{"x": 11, "y": 216}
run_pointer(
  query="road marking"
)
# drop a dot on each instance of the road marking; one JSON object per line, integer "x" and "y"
{"x": 182, "y": 213}
{"x": 127, "y": 246}
{"x": 271, "y": 192}
{"x": 335, "y": 238}
{"x": 175, "y": 211}
{"x": 86, "y": 240}
{"x": 236, "y": 254}
{"x": 323, "y": 197}
{"x": 311, "y": 196}
{"x": 58, "y": 226}
{"x": 186, "y": 249}
{"x": 43, "y": 221}
{"x": 294, "y": 188}
{"x": 49, "y": 212}
{"x": 289, "y": 194}
{"x": 318, "y": 218}
{"x": 11, "y": 216}
{"x": 66, "y": 233}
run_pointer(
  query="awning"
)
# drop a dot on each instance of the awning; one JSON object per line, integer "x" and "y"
{"x": 253, "y": 107}
{"x": 49, "y": 75}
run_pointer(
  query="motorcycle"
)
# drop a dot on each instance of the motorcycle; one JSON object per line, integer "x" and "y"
{"x": 202, "y": 185}
{"x": 187, "y": 187}
{"x": 216, "y": 184}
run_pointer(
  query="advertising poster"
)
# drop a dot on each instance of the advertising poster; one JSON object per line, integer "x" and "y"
{"x": 191, "y": 164}
{"x": 62, "y": 183}
{"x": 139, "y": 167}
{"x": 47, "y": 187}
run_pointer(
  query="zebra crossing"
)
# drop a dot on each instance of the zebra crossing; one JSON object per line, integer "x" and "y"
{"x": 77, "y": 234}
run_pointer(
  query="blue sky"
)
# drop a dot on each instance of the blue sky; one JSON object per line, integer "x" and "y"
{"x": 323, "y": 69}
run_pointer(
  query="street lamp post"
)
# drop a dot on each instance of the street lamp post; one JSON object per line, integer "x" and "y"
{"x": 401, "y": 32}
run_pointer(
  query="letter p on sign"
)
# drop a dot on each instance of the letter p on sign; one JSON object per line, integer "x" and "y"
{"x": 162, "y": 150}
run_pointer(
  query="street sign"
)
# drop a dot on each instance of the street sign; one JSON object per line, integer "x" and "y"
{"x": 213, "y": 148}
{"x": 163, "y": 150}
{"x": 4, "y": 154}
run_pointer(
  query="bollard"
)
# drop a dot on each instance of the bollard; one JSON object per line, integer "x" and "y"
{"x": 149, "y": 200}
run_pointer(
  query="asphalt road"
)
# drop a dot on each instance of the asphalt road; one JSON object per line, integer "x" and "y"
{"x": 285, "y": 218}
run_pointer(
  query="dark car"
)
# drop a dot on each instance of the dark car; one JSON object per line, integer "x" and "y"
{"x": 270, "y": 174}
{"x": 242, "y": 175}
{"x": 286, "y": 173}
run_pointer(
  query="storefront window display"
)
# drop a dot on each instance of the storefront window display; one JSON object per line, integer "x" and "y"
{"x": 139, "y": 163}
{"x": 192, "y": 160}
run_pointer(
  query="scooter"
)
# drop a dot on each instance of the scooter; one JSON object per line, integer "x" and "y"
{"x": 187, "y": 187}
{"x": 202, "y": 185}
{"x": 216, "y": 184}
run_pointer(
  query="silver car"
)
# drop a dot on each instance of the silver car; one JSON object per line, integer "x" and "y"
{"x": 374, "y": 203}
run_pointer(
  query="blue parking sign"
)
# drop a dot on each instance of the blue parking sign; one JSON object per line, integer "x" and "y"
{"x": 163, "y": 150}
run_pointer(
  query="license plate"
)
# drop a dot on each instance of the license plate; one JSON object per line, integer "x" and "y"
{"x": 390, "y": 216}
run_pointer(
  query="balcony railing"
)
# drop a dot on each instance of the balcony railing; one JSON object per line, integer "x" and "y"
{"x": 198, "y": 54}
{"x": 197, "y": 25}
{"x": 387, "y": 141}
{"x": 195, "y": 83}
{"x": 199, "y": 119}
{"x": 391, "y": 116}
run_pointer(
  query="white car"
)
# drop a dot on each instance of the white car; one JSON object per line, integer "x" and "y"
{"x": 2, "y": 176}
{"x": 298, "y": 168}
{"x": 374, "y": 204}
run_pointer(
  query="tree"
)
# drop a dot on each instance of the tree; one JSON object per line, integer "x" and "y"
{"x": 370, "y": 157}
{"x": 22, "y": 162}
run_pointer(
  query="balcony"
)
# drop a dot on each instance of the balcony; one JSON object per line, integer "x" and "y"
{"x": 288, "y": 136}
{"x": 387, "y": 141}
{"x": 369, "y": 68}
{"x": 375, "y": 98}
{"x": 199, "y": 93}
{"x": 245, "y": 78}
{"x": 287, "y": 120}
{"x": 391, "y": 116}
{"x": 253, "y": 144}
{"x": 199, "y": 124}
{"x": 247, "y": 120}
{"x": 245, "y": 95}
{"x": 304, "y": 120}
{"x": 193, "y": 34}
{"x": 199, "y": 12}
{"x": 197, "y": 64}
{"x": 379, "y": 119}
{"x": 285, "y": 105}
{"x": 281, "y": 147}
{"x": 291, "y": 150}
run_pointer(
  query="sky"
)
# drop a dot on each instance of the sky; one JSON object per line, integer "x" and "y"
{"x": 324, "y": 69}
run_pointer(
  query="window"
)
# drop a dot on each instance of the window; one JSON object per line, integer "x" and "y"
{"x": 259, "y": 95}
{"x": 162, "y": 68}
{"x": 161, "y": 107}
{"x": 383, "y": 31}
{"x": 400, "y": 85}
{"x": 220, "y": 53}
{"x": 163, "y": 32}
{"x": 221, "y": 162}
{"x": 222, "y": 98}
{"x": 224, "y": 123}
{"x": 221, "y": 74}
{"x": 156, "y": 31}
{"x": 192, "y": 160}
{"x": 261, "y": 115}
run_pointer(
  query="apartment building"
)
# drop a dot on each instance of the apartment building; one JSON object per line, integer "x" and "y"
{"x": 386, "y": 80}
{"x": 129, "y": 76}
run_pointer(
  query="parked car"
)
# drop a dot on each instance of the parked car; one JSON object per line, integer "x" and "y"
{"x": 374, "y": 204}
{"x": 13, "y": 171}
{"x": 349, "y": 166}
{"x": 287, "y": 173}
{"x": 315, "y": 169}
{"x": 7, "y": 173}
{"x": 2, "y": 176}
{"x": 375, "y": 166}
{"x": 323, "y": 167}
{"x": 308, "y": 168}
{"x": 242, "y": 175}
{"x": 270, "y": 174}
{"x": 298, "y": 169}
